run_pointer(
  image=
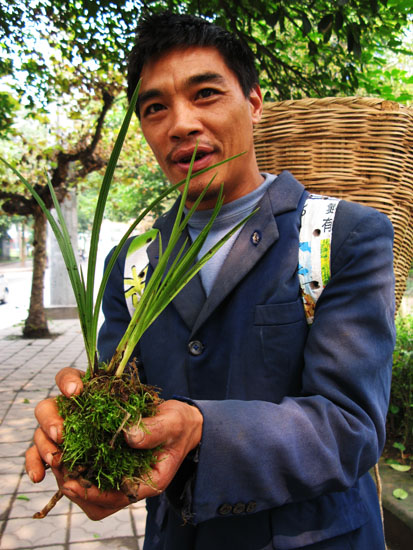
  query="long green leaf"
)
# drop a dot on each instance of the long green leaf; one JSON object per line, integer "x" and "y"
{"x": 103, "y": 195}
{"x": 71, "y": 263}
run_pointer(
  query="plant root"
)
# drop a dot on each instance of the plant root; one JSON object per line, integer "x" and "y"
{"x": 112, "y": 441}
{"x": 49, "y": 506}
{"x": 131, "y": 489}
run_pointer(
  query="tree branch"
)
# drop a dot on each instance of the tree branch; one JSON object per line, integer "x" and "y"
{"x": 16, "y": 203}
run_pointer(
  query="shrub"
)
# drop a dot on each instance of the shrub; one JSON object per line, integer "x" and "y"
{"x": 400, "y": 418}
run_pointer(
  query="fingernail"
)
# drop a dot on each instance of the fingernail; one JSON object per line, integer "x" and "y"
{"x": 53, "y": 433}
{"x": 71, "y": 388}
{"x": 49, "y": 459}
{"x": 31, "y": 475}
{"x": 135, "y": 435}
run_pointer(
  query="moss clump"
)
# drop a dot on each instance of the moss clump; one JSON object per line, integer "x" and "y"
{"x": 94, "y": 448}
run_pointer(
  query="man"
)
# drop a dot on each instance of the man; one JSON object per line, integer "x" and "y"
{"x": 269, "y": 428}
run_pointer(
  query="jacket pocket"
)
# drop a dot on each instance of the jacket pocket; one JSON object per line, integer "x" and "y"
{"x": 281, "y": 330}
{"x": 279, "y": 314}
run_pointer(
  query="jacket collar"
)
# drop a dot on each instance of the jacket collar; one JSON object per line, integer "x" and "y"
{"x": 255, "y": 238}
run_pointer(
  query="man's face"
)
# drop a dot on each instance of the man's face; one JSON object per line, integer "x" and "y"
{"x": 189, "y": 96}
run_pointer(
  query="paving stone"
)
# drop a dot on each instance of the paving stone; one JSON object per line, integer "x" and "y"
{"x": 25, "y": 533}
{"x": 23, "y": 508}
{"x": 17, "y": 411}
{"x": 14, "y": 465}
{"x": 20, "y": 423}
{"x": 9, "y": 482}
{"x": 13, "y": 449}
{"x": 11, "y": 435}
{"x": 5, "y": 501}
{"x": 7, "y": 386}
{"x": 139, "y": 517}
{"x": 48, "y": 484}
{"x": 115, "y": 543}
{"x": 32, "y": 395}
{"x": 83, "y": 529}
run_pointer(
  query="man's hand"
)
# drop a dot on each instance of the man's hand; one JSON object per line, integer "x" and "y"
{"x": 96, "y": 504}
{"x": 50, "y": 432}
{"x": 177, "y": 427}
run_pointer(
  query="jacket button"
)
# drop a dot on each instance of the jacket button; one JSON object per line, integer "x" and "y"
{"x": 251, "y": 506}
{"x": 195, "y": 347}
{"x": 239, "y": 508}
{"x": 225, "y": 509}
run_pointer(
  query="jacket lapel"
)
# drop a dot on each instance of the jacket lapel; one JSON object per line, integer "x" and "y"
{"x": 257, "y": 235}
{"x": 190, "y": 300}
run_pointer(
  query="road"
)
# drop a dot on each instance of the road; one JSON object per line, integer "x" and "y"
{"x": 19, "y": 279}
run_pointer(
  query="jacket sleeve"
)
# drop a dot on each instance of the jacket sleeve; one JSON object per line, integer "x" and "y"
{"x": 323, "y": 440}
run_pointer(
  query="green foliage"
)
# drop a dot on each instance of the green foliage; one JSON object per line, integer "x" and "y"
{"x": 400, "y": 417}
{"x": 304, "y": 47}
{"x": 8, "y": 108}
{"x": 137, "y": 180}
{"x": 400, "y": 494}
{"x": 129, "y": 196}
{"x": 94, "y": 445}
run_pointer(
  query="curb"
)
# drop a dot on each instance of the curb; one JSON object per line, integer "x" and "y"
{"x": 398, "y": 514}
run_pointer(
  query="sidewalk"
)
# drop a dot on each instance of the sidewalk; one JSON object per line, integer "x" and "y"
{"x": 16, "y": 265}
{"x": 27, "y": 371}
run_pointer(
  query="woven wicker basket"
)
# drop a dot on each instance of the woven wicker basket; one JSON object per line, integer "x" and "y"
{"x": 360, "y": 149}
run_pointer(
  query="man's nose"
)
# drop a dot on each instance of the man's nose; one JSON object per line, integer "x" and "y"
{"x": 185, "y": 122}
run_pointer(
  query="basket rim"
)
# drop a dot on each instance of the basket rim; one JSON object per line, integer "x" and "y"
{"x": 355, "y": 102}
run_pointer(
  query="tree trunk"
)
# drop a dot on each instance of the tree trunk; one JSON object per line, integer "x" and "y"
{"x": 35, "y": 325}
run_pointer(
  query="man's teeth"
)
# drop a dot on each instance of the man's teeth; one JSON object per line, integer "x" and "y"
{"x": 198, "y": 156}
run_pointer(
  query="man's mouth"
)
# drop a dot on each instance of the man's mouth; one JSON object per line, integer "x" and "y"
{"x": 186, "y": 159}
{"x": 182, "y": 159}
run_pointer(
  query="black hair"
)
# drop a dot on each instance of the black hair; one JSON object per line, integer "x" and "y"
{"x": 158, "y": 33}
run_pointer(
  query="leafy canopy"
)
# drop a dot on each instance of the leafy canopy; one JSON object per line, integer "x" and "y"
{"x": 303, "y": 47}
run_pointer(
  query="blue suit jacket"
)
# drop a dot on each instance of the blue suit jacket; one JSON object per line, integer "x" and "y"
{"x": 293, "y": 417}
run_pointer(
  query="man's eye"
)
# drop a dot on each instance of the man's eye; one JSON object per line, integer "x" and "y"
{"x": 154, "y": 108}
{"x": 206, "y": 92}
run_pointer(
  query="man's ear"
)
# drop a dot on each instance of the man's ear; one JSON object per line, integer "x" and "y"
{"x": 255, "y": 100}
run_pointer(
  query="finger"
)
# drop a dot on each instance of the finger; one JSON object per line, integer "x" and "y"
{"x": 175, "y": 423}
{"x": 48, "y": 417}
{"x": 161, "y": 474}
{"x": 35, "y": 467}
{"x": 110, "y": 500}
{"x": 47, "y": 450}
{"x": 154, "y": 430}
{"x": 80, "y": 496}
{"x": 145, "y": 435}
{"x": 69, "y": 381}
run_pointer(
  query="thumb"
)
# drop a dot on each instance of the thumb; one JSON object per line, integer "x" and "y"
{"x": 145, "y": 436}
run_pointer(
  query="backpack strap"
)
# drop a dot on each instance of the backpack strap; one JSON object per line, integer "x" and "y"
{"x": 317, "y": 219}
{"x": 136, "y": 269}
